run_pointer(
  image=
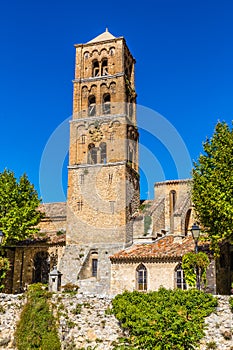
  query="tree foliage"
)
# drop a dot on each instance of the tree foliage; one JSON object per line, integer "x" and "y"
{"x": 4, "y": 267}
{"x": 166, "y": 319}
{"x": 193, "y": 262}
{"x": 212, "y": 191}
{"x": 19, "y": 203}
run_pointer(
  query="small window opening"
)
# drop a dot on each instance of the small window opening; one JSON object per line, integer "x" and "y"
{"x": 179, "y": 278}
{"x": 130, "y": 209}
{"x": 103, "y": 152}
{"x": 110, "y": 177}
{"x": 92, "y": 154}
{"x": 172, "y": 198}
{"x": 141, "y": 277}
{"x": 83, "y": 139}
{"x": 80, "y": 205}
{"x": 106, "y": 104}
{"x": 81, "y": 179}
{"x": 187, "y": 222}
{"x": 91, "y": 106}
{"x": 104, "y": 67}
{"x": 95, "y": 69}
{"x": 94, "y": 267}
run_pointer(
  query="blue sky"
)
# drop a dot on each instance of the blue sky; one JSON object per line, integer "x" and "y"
{"x": 184, "y": 72}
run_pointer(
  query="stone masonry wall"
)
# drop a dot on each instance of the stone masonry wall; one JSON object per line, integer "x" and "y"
{"x": 85, "y": 324}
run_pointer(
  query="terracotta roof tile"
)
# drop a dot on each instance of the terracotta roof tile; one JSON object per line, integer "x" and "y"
{"x": 164, "y": 248}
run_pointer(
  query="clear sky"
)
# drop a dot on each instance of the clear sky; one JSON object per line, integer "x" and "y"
{"x": 184, "y": 72}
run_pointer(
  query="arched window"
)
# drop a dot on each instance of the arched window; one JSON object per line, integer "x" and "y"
{"x": 95, "y": 68}
{"x": 83, "y": 139}
{"x": 106, "y": 104}
{"x": 91, "y": 106}
{"x": 104, "y": 67}
{"x": 103, "y": 152}
{"x": 172, "y": 204}
{"x": 179, "y": 278}
{"x": 92, "y": 154}
{"x": 94, "y": 264}
{"x": 172, "y": 200}
{"x": 41, "y": 267}
{"x": 86, "y": 55}
{"x": 187, "y": 222}
{"x": 141, "y": 277}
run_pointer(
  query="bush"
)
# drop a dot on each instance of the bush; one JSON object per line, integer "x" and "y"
{"x": 70, "y": 288}
{"x": 37, "y": 327}
{"x": 167, "y": 319}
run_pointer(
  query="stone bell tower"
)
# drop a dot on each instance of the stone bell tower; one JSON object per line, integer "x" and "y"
{"x": 103, "y": 179}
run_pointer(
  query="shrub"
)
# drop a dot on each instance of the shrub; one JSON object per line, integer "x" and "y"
{"x": 70, "y": 288}
{"x": 77, "y": 310}
{"x": 4, "y": 267}
{"x": 167, "y": 319}
{"x": 211, "y": 345}
{"x": 37, "y": 327}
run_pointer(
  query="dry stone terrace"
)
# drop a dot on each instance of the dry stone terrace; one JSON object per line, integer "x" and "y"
{"x": 83, "y": 322}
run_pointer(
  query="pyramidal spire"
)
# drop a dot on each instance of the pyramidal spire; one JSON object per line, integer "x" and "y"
{"x": 103, "y": 37}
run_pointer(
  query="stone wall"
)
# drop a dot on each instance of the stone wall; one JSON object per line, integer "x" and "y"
{"x": 84, "y": 323}
{"x": 23, "y": 265}
{"x": 10, "y": 308}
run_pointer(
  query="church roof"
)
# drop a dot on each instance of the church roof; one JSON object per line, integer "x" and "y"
{"x": 57, "y": 209}
{"x": 167, "y": 247}
{"x": 102, "y": 37}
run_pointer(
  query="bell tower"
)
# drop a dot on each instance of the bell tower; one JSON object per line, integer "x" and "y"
{"x": 103, "y": 179}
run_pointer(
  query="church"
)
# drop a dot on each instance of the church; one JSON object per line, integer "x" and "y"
{"x": 104, "y": 239}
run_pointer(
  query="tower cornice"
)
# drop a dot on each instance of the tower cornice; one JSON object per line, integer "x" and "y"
{"x": 103, "y": 118}
{"x": 102, "y": 42}
{"x": 101, "y": 78}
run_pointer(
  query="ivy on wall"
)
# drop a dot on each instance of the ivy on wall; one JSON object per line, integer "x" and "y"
{"x": 4, "y": 267}
{"x": 166, "y": 319}
{"x": 37, "y": 326}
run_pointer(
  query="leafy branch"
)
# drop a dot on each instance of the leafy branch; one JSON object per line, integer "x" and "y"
{"x": 193, "y": 262}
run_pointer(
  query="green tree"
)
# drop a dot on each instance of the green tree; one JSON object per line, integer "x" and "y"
{"x": 19, "y": 212}
{"x": 195, "y": 266}
{"x": 212, "y": 191}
